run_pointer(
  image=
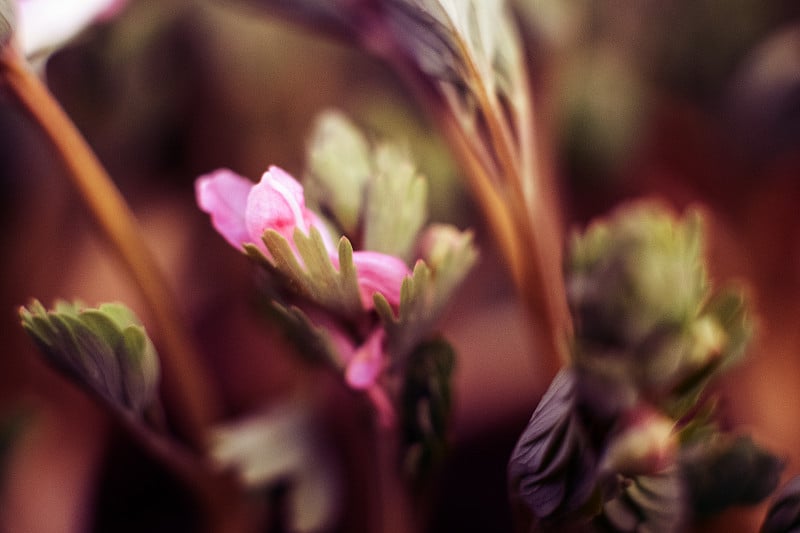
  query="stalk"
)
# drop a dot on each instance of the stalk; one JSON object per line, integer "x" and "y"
{"x": 186, "y": 382}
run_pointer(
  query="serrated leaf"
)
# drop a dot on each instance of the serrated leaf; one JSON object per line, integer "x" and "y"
{"x": 396, "y": 183}
{"x": 120, "y": 366}
{"x": 728, "y": 471}
{"x": 425, "y": 294}
{"x": 426, "y": 404}
{"x": 339, "y": 166}
{"x": 316, "y": 278}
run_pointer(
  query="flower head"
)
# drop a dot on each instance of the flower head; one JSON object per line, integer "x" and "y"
{"x": 242, "y": 212}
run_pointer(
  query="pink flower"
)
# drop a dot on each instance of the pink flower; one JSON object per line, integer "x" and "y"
{"x": 378, "y": 272}
{"x": 363, "y": 363}
{"x": 242, "y": 211}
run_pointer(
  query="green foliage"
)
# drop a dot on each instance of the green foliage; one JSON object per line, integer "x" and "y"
{"x": 396, "y": 204}
{"x": 646, "y": 317}
{"x": 374, "y": 190}
{"x": 339, "y": 167}
{"x": 105, "y": 350}
{"x": 427, "y": 291}
{"x": 426, "y": 405}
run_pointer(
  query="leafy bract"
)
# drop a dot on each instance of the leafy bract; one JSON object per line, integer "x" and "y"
{"x": 396, "y": 203}
{"x": 369, "y": 189}
{"x": 310, "y": 271}
{"x": 426, "y": 292}
{"x": 339, "y": 166}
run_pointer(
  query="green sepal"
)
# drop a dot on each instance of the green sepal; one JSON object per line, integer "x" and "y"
{"x": 727, "y": 471}
{"x": 105, "y": 350}
{"x": 339, "y": 166}
{"x": 316, "y": 278}
{"x": 312, "y": 342}
{"x": 424, "y": 294}
{"x": 426, "y": 405}
{"x": 396, "y": 206}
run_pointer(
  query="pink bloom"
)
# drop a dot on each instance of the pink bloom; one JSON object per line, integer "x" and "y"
{"x": 242, "y": 211}
{"x": 223, "y": 195}
{"x": 378, "y": 272}
{"x": 277, "y": 203}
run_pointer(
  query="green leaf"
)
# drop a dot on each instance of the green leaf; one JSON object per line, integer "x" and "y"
{"x": 427, "y": 291}
{"x": 426, "y": 405}
{"x": 316, "y": 278}
{"x": 727, "y": 471}
{"x": 90, "y": 347}
{"x": 339, "y": 166}
{"x": 312, "y": 342}
{"x": 277, "y": 446}
{"x": 396, "y": 183}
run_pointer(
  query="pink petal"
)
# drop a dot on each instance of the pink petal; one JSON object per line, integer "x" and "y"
{"x": 381, "y": 273}
{"x": 223, "y": 195}
{"x": 367, "y": 363}
{"x": 276, "y": 203}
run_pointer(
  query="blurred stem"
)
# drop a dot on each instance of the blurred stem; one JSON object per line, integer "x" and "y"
{"x": 186, "y": 382}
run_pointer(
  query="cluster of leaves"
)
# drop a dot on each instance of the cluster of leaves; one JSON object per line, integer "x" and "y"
{"x": 352, "y": 181}
{"x": 625, "y": 440}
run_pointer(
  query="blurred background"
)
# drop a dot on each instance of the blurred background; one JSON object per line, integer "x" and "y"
{"x": 691, "y": 101}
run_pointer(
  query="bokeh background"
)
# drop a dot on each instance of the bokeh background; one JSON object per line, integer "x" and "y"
{"x": 691, "y": 101}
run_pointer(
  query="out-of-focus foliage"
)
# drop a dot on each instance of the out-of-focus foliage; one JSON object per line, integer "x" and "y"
{"x": 650, "y": 333}
{"x": 283, "y": 445}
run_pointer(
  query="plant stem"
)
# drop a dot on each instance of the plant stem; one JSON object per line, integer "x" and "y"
{"x": 185, "y": 380}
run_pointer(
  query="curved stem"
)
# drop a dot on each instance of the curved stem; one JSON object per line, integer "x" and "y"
{"x": 186, "y": 381}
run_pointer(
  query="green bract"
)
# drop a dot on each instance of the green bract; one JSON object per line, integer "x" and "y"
{"x": 106, "y": 350}
{"x": 372, "y": 191}
{"x": 447, "y": 259}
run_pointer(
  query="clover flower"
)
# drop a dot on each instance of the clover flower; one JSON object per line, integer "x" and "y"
{"x": 242, "y": 212}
